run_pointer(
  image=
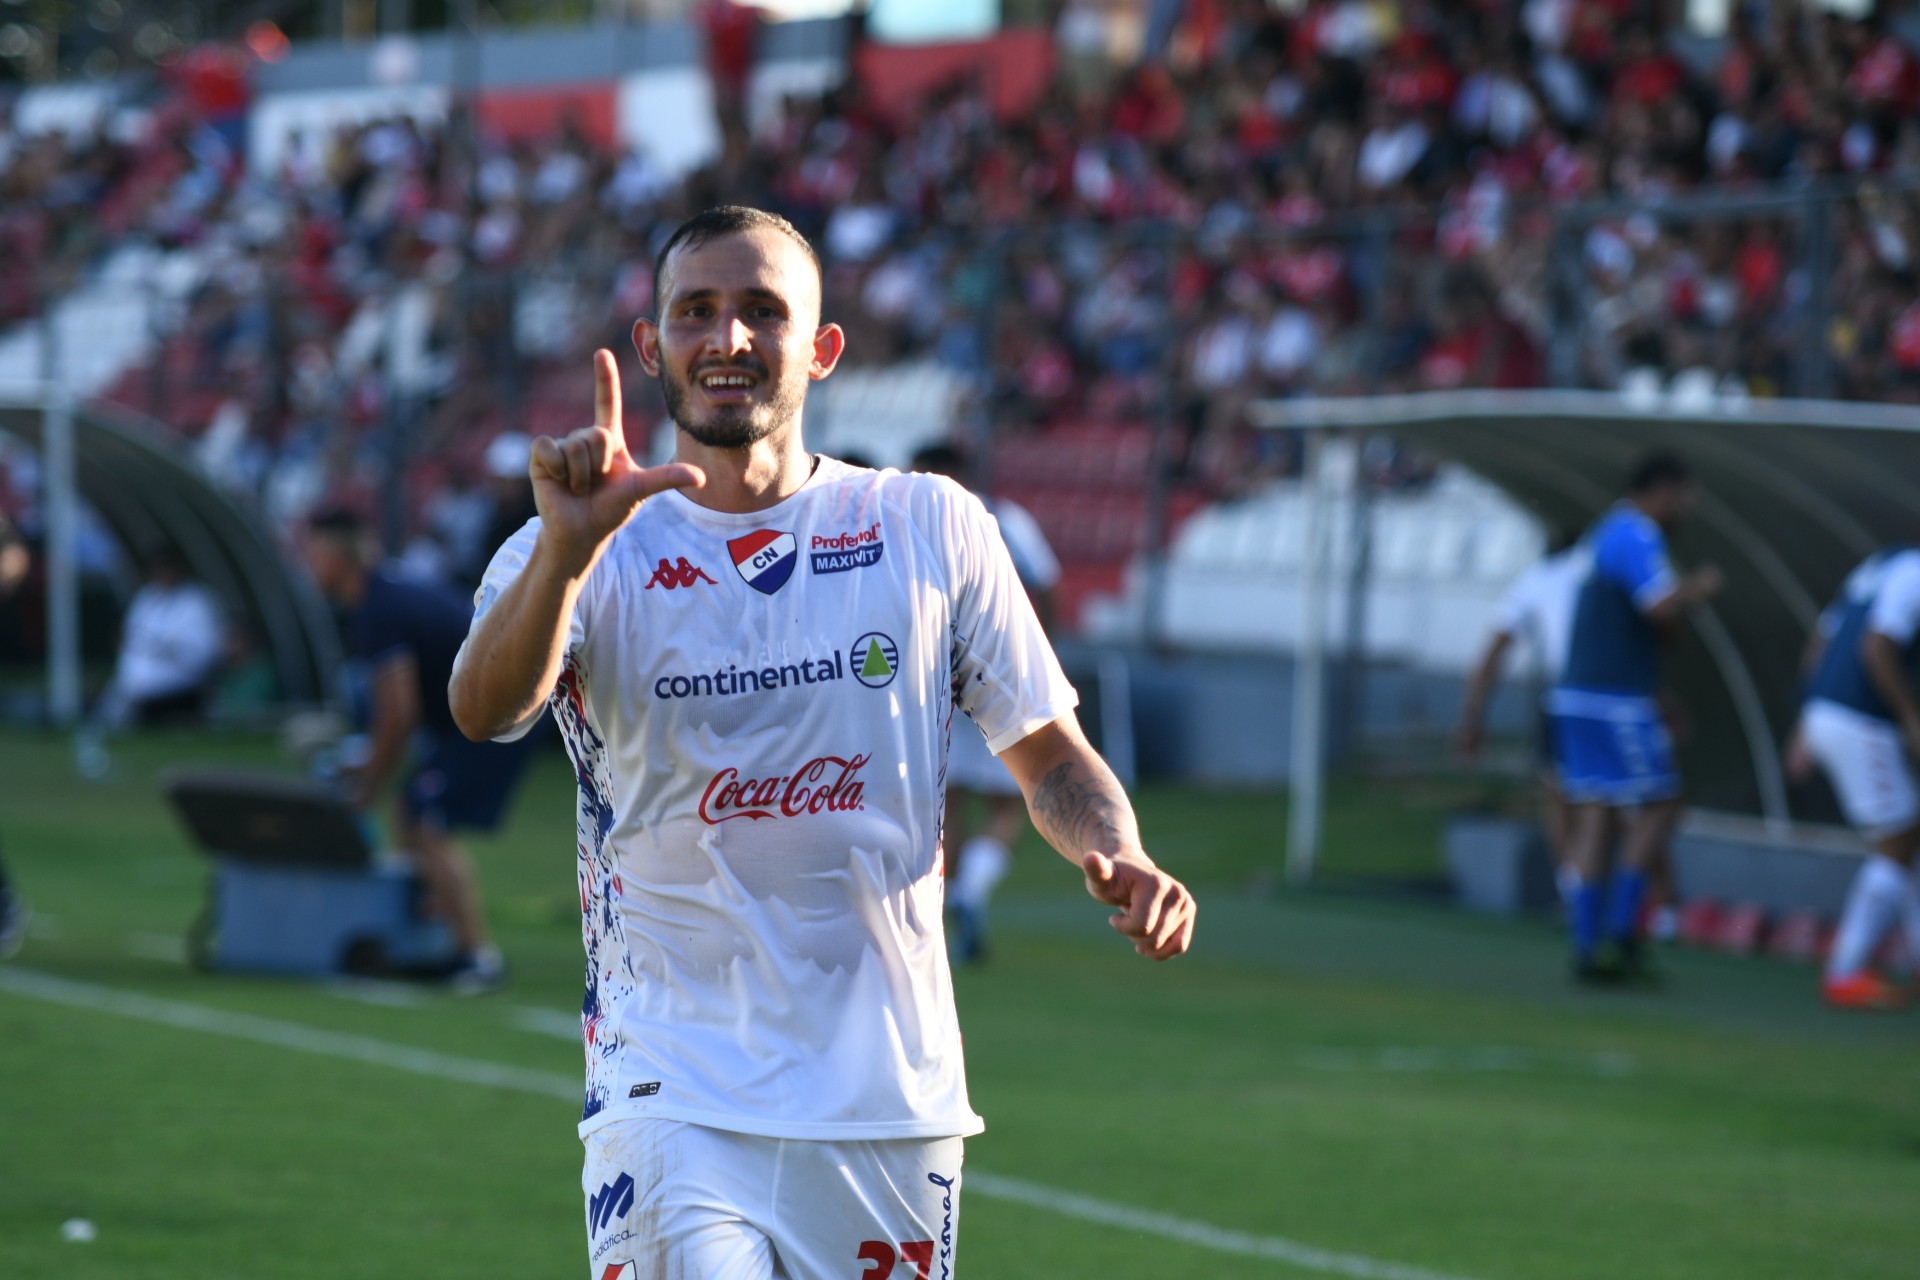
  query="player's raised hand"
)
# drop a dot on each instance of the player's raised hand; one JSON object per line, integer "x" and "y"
{"x": 1155, "y": 910}
{"x": 586, "y": 484}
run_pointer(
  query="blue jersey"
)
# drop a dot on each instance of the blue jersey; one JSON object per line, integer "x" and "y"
{"x": 1614, "y": 648}
{"x": 1882, "y": 595}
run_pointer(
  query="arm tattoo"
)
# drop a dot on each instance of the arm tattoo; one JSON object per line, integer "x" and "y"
{"x": 1080, "y": 811}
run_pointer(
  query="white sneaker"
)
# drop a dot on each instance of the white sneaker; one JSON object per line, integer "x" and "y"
{"x": 483, "y": 971}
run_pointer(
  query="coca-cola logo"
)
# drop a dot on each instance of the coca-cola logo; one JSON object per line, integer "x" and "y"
{"x": 824, "y": 784}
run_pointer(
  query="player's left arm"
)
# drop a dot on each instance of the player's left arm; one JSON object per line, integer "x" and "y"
{"x": 1082, "y": 810}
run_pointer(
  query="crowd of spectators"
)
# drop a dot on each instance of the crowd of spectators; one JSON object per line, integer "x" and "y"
{"x": 1333, "y": 197}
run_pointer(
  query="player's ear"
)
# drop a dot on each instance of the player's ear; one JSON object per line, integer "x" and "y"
{"x": 829, "y": 341}
{"x": 646, "y": 341}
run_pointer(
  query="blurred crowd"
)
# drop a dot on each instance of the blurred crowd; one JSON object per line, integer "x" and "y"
{"x": 1325, "y": 198}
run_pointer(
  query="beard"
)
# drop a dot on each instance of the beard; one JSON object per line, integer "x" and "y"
{"x": 733, "y": 426}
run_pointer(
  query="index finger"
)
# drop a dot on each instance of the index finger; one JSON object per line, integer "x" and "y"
{"x": 606, "y": 397}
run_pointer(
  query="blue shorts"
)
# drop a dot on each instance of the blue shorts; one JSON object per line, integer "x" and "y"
{"x": 463, "y": 785}
{"x": 1611, "y": 748}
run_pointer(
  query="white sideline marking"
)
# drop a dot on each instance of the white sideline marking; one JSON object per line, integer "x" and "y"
{"x": 444, "y": 1066}
{"x": 1489, "y": 1058}
{"x": 285, "y": 1035}
{"x": 1187, "y": 1231}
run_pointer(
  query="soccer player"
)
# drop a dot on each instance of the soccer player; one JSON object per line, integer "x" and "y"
{"x": 754, "y": 654}
{"x": 981, "y": 861}
{"x": 1538, "y": 608}
{"x": 1611, "y": 746}
{"x": 1861, "y": 724}
{"x": 405, "y": 635}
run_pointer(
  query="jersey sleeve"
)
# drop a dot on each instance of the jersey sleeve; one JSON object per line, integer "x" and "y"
{"x": 1896, "y": 606}
{"x": 1005, "y": 674}
{"x": 1634, "y": 556}
{"x": 508, "y": 563}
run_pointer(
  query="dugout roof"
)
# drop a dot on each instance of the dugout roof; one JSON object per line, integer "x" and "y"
{"x": 1793, "y": 494}
{"x": 147, "y": 491}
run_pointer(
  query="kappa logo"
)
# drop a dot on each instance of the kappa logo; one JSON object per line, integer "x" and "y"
{"x": 874, "y": 659}
{"x": 610, "y": 1202}
{"x": 844, "y": 551}
{"x": 765, "y": 558}
{"x": 682, "y": 573}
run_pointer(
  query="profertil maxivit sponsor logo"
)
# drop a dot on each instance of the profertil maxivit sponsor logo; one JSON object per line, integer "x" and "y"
{"x": 824, "y": 784}
{"x": 840, "y": 552}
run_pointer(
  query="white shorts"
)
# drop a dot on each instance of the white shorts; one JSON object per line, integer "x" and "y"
{"x": 667, "y": 1198}
{"x": 1867, "y": 764}
{"x": 971, "y": 765}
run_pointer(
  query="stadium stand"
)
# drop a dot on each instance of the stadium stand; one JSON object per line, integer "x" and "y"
{"x": 1117, "y": 252}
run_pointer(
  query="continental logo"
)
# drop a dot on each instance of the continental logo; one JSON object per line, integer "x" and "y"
{"x": 844, "y": 551}
{"x": 872, "y": 659}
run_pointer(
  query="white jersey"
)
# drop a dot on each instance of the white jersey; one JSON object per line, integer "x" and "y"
{"x": 1540, "y": 606}
{"x": 172, "y": 640}
{"x": 758, "y": 709}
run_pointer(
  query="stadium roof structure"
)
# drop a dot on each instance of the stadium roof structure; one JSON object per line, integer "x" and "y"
{"x": 135, "y": 477}
{"x": 1793, "y": 494}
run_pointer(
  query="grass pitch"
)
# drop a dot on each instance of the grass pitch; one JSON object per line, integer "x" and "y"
{"x": 1383, "y": 1081}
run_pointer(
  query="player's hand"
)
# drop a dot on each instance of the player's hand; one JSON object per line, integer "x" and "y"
{"x": 1156, "y": 911}
{"x": 586, "y": 485}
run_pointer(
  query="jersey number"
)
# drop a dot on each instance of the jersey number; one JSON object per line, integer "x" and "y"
{"x": 882, "y": 1256}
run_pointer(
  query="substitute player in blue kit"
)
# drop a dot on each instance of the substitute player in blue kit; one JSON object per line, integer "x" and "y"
{"x": 1861, "y": 725}
{"x": 1611, "y": 746}
{"x": 774, "y": 1084}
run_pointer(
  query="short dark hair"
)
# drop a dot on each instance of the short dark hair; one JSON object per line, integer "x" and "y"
{"x": 726, "y": 220}
{"x": 1658, "y": 470}
{"x": 338, "y": 520}
{"x": 343, "y": 526}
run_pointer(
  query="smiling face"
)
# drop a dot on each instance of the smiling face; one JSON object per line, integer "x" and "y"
{"x": 738, "y": 338}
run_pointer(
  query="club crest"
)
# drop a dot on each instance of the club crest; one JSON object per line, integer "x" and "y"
{"x": 765, "y": 558}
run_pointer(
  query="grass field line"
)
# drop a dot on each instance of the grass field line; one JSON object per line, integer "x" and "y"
{"x": 1187, "y": 1231}
{"x": 187, "y": 1016}
{"x": 285, "y": 1035}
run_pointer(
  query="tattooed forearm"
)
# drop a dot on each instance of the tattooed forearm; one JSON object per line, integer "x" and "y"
{"x": 1079, "y": 809}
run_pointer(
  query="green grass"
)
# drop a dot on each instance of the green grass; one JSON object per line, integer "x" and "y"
{"x": 1744, "y": 1132}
